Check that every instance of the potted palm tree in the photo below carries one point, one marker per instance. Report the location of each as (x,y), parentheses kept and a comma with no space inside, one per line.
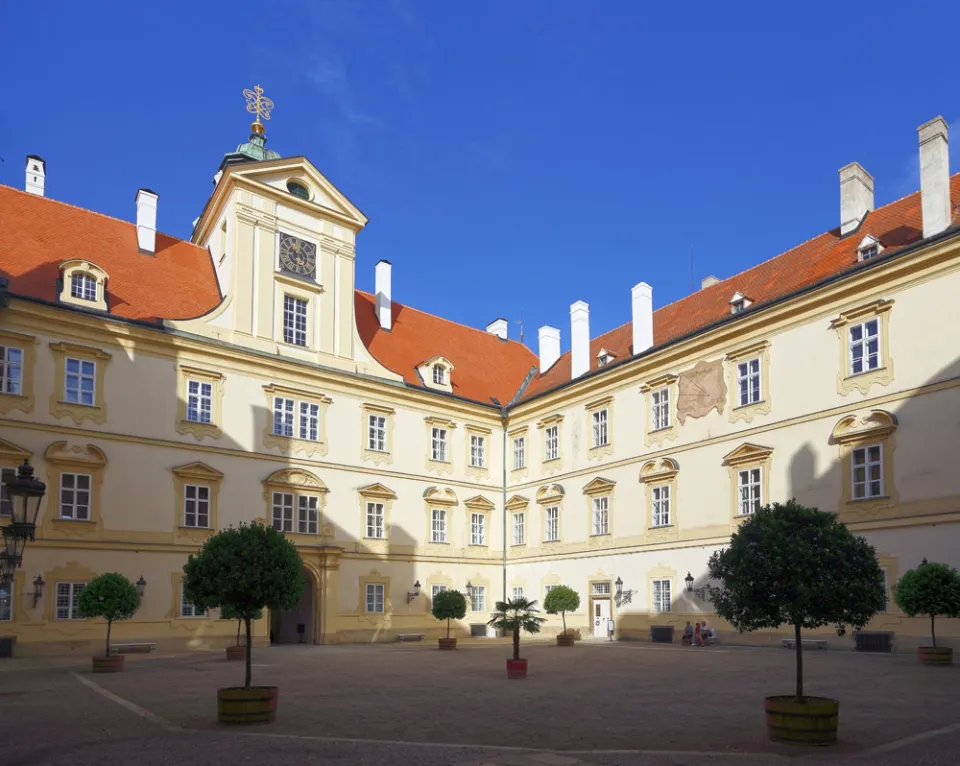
(932,590)
(562,599)
(113,597)
(449,605)
(513,616)
(236,652)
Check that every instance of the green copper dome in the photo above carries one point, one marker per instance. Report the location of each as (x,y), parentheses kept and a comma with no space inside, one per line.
(254,150)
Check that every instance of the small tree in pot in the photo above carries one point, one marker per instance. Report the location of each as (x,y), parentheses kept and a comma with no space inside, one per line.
(449,605)
(113,597)
(932,590)
(515,615)
(562,599)
(791,565)
(247,569)
(236,652)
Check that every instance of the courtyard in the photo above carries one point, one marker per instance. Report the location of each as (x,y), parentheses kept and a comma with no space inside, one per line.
(618,702)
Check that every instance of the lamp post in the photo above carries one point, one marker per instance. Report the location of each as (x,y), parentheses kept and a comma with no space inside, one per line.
(25,493)
(703,593)
(622,596)
(37,594)
(141,586)
(416,592)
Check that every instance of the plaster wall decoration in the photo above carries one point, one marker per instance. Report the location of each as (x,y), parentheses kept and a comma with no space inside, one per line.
(701,389)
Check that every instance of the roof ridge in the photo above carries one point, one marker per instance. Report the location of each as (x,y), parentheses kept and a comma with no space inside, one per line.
(96,213)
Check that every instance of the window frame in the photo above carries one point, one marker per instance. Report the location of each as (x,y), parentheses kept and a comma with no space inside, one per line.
(657,433)
(23,400)
(752,499)
(197,500)
(59,405)
(477,604)
(188,610)
(551,527)
(379,512)
(518,528)
(291,411)
(292,318)
(378,591)
(75,489)
(867,464)
(660,508)
(749,372)
(475,539)
(657,599)
(73,601)
(883,374)
(438,526)
(84,286)
(600,510)
(368,412)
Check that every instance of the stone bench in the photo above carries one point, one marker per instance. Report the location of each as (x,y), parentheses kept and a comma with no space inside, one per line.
(807,643)
(133,648)
(410,636)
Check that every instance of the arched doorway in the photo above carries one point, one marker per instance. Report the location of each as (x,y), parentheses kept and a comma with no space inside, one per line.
(296,626)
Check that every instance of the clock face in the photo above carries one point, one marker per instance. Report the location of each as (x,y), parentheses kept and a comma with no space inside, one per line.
(297,256)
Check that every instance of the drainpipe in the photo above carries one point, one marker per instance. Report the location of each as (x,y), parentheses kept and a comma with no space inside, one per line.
(503,499)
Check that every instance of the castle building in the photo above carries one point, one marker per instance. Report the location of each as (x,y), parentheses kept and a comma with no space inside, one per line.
(165,389)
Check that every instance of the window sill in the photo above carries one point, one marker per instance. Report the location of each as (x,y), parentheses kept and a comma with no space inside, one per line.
(78,404)
(187,528)
(873,499)
(478,545)
(552,540)
(73,521)
(601,446)
(518,545)
(366,537)
(600,534)
(552,460)
(440,462)
(662,428)
(851,375)
(518,468)
(749,404)
(661,526)
(477,467)
(439,542)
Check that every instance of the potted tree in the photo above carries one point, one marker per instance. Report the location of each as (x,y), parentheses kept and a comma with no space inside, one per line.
(113,597)
(933,590)
(515,615)
(562,599)
(245,569)
(449,605)
(791,565)
(236,652)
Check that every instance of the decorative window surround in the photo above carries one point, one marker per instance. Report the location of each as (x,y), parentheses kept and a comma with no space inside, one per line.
(440,499)
(747,457)
(661,600)
(550,496)
(599,489)
(17,397)
(66,597)
(758,350)
(196,474)
(474,433)
(305,290)
(377,619)
(294,445)
(883,374)
(875,428)
(600,425)
(369,433)
(82,268)
(382,495)
(514,436)
(661,473)
(657,436)
(439,466)
(199,430)
(67,573)
(870,247)
(87,460)
(59,406)
(299,483)
(482,508)
(551,458)
(436,369)
(518,528)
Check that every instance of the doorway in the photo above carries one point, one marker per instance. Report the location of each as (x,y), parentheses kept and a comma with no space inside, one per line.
(296,626)
(601,613)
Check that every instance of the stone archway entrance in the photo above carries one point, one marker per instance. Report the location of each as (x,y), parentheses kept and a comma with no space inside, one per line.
(297,625)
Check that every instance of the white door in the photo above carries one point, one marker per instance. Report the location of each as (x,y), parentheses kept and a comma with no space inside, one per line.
(601,613)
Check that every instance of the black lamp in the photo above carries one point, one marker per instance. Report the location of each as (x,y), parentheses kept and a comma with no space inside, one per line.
(416,592)
(25,493)
(141,586)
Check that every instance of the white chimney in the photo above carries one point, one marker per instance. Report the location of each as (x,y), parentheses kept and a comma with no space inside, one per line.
(549,348)
(382,275)
(579,339)
(498,327)
(642,298)
(856,196)
(709,282)
(147,220)
(934,176)
(36,174)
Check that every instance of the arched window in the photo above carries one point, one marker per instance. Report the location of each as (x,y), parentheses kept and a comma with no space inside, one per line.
(83,286)
(438,374)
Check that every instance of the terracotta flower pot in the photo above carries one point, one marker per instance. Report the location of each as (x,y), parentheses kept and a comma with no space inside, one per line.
(236,653)
(239,706)
(447,644)
(935,655)
(565,639)
(516,669)
(108,663)
(811,722)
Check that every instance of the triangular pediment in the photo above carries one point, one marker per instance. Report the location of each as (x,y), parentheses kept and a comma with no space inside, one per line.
(197,470)
(12,455)
(598,486)
(378,491)
(517,503)
(747,453)
(480,503)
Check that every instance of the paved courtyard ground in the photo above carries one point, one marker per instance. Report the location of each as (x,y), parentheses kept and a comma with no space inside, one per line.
(602,703)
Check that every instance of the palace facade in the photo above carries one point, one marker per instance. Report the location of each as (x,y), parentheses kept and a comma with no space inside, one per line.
(165,389)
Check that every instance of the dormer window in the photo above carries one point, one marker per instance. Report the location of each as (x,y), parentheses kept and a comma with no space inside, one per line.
(439,374)
(604,357)
(870,247)
(83,286)
(297,189)
(739,303)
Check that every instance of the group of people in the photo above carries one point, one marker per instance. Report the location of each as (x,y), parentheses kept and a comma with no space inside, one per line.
(700,635)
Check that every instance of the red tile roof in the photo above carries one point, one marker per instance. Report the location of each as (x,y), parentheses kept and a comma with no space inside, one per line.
(896,225)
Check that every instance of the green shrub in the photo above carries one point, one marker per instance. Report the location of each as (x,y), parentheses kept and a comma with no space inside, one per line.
(449,605)
(930,589)
(562,599)
(111,596)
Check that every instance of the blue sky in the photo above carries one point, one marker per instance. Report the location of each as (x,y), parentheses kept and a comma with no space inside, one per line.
(513,157)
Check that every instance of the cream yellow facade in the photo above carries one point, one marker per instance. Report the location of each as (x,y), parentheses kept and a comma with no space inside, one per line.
(198,424)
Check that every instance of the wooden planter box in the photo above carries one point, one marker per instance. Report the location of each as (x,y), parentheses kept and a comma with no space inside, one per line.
(811,722)
(935,655)
(108,664)
(239,706)
(565,639)
(447,644)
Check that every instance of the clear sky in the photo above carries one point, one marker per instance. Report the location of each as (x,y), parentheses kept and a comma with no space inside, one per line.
(512,156)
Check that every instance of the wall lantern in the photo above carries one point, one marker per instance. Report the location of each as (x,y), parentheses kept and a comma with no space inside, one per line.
(416,592)
(141,586)
(704,593)
(25,493)
(622,596)
(37,594)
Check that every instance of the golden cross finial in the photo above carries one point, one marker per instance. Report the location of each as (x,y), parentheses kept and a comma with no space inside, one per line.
(259,105)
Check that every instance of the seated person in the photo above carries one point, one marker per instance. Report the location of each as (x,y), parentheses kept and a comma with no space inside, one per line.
(687,634)
(697,636)
(707,633)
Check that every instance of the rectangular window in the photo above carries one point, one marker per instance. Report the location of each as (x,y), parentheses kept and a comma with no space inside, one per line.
(478,456)
(519,453)
(309,421)
(6,504)
(478,598)
(282,514)
(478,529)
(661,596)
(517,593)
(869,252)
(438,374)
(294,321)
(551,524)
(196,506)
(375,520)
(748,381)
(601,589)
(661,505)
(11,370)
(519,529)
(308,514)
(83,286)
(600,434)
(660,409)
(199,401)
(6,607)
(750,498)
(75,496)
(375,591)
(79,382)
(438,525)
(439,445)
(600,515)
(68,600)
(551,447)
(377,433)
(865,347)
(435,589)
(283,414)
(190,610)
(867,472)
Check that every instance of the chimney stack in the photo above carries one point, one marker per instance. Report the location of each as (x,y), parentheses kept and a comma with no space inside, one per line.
(856,196)
(36,174)
(549,348)
(579,339)
(498,327)
(147,220)
(382,279)
(934,176)
(642,299)
(709,282)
